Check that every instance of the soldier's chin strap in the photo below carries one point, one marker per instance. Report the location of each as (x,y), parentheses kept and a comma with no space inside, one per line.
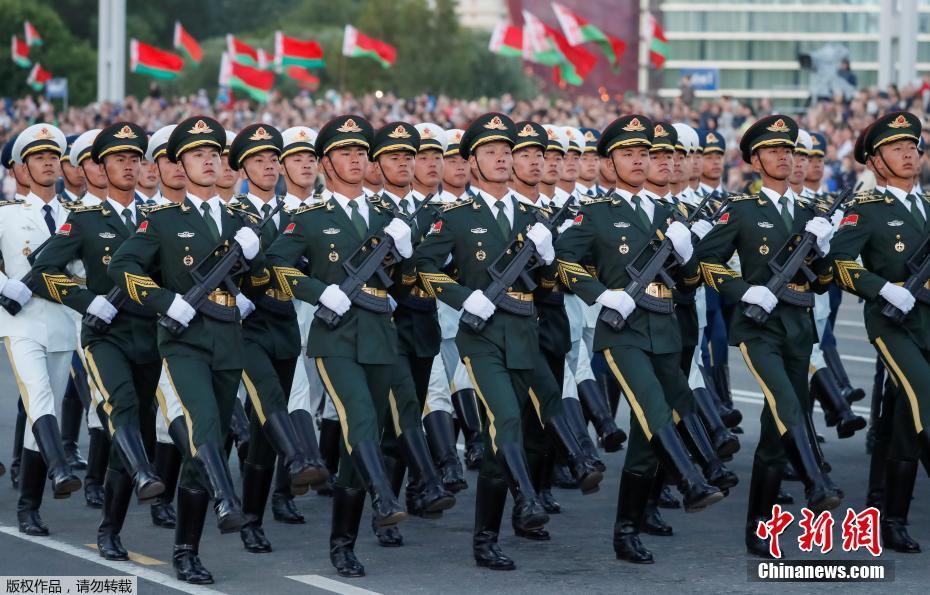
(514,170)
(33,179)
(878,153)
(336,173)
(765,171)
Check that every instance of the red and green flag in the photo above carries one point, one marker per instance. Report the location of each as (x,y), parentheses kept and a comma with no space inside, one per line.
(356,44)
(257,83)
(289,51)
(153,62)
(20,52)
(185,42)
(32,34)
(241,52)
(506,40)
(303,77)
(658,44)
(544,45)
(578,31)
(38,76)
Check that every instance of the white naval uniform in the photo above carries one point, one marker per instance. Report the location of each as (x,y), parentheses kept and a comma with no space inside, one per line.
(41,339)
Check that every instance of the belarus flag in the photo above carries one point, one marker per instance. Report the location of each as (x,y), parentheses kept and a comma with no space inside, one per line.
(32,34)
(186,43)
(356,44)
(289,51)
(153,62)
(20,52)
(38,76)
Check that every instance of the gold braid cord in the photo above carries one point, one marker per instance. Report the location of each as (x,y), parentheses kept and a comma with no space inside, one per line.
(428,279)
(285,276)
(716,273)
(571,268)
(847,271)
(263,278)
(135,282)
(58,285)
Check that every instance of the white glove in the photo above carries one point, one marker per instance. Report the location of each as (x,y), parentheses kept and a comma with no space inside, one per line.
(760,296)
(823,229)
(102,309)
(392,302)
(181,311)
(248,240)
(898,297)
(16,290)
(542,239)
(245,305)
(701,228)
(335,299)
(680,236)
(400,231)
(479,305)
(836,218)
(619,301)
(566,224)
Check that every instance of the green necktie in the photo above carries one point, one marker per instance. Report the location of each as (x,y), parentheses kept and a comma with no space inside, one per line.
(638,207)
(785,213)
(502,221)
(266,210)
(915,211)
(357,220)
(208,219)
(404,204)
(127,218)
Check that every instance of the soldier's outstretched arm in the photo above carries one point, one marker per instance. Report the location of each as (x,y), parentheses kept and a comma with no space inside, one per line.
(714,252)
(845,248)
(431,256)
(282,257)
(50,268)
(131,263)
(572,247)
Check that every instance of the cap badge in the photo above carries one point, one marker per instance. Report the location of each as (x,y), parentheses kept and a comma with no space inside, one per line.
(634,126)
(125,132)
(527,131)
(495,124)
(778,126)
(399,132)
(200,127)
(659,131)
(899,122)
(44,133)
(261,134)
(349,126)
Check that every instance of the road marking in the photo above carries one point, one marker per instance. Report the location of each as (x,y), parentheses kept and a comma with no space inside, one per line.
(127,567)
(861,338)
(858,359)
(328,584)
(853,323)
(135,557)
(756,398)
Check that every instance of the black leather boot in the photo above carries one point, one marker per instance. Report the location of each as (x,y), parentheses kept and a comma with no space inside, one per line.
(303,424)
(695,436)
(653,523)
(192,513)
(490,499)
(31,486)
(396,471)
(583,469)
(279,429)
(117,490)
(576,422)
(836,410)
(631,506)
(366,455)
(923,440)
(256,483)
(529,513)
(47,436)
(832,358)
(696,493)
(18,434)
(283,507)
(465,403)
(348,504)
(725,442)
(595,403)
(72,412)
(240,428)
(798,446)
(226,504)
(430,496)
(167,466)
(98,455)
(763,491)
(440,432)
(537,464)
(330,436)
(543,477)
(899,488)
(147,484)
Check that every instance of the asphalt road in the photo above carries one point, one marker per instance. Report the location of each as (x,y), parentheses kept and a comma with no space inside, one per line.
(706,553)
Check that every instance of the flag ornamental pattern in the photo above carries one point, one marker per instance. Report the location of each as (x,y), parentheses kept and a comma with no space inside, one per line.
(356,44)
(506,40)
(153,62)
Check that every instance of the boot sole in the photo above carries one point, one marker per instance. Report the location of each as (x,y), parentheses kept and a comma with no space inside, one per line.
(614,441)
(490,566)
(590,483)
(391,519)
(535,521)
(728,448)
(440,504)
(847,430)
(828,503)
(190,581)
(150,491)
(66,488)
(231,523)
(704,502)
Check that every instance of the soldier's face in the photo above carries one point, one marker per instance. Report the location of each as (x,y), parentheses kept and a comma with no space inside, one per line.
(455,171)
(122,170)
(348,163)
(712,166)
(429,167)
(570,166)
(528,165)
(262,169)
(660,167)
(44,168)
(202,165)
(148,175)
(301,168)
(93,173)
(697,164)
(631,165)
(774,162)
(814,170)
(228,176)
(171,174)
(373,175)
(397,167)
(898,159)
(72,175)
(678,167)
(552,172)
(606,171)
(798,169)
(493,161)
(587,166)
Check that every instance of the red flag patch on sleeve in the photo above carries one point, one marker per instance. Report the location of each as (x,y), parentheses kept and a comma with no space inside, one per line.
(849,220)
(724,219)
(435,228)
(579,219)
(290,227)
(143,227)
(64,230)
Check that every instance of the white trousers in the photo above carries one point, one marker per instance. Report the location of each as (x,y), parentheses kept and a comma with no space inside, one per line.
(42,377)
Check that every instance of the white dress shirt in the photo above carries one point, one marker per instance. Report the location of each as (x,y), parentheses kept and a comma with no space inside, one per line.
(775,196)
(258,204)
(645,202)
(215,209)
(396,200)
(505,203)
(901,195)
(361,201)
(118,209)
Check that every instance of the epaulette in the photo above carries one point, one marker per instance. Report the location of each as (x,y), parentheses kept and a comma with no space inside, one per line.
(167,205)
(12,201)
(457,204)
(86,208)
(71,205)
(926,197)
(305,208)
(598,200)
(236,205)
(739,197)
(866,196)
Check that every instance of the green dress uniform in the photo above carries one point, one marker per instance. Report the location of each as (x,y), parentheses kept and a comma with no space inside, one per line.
(271,344)
(122,357)
(609,234)
(886,232)
(204,362)
(777,352)
(510,375)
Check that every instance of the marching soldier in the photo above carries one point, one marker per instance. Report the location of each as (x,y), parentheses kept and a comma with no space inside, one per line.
(71,176)
(588,164)
(204,360)
(713,148)
(885,231)
(40,338)
(228,178)
(566,187)
(95,180)
(553,158)
(454,167)
(777,352)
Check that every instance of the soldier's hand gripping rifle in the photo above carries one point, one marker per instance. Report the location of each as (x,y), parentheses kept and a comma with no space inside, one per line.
(919,265)
(525,258)
(9,304)
(791,258)
(232,262)
(375,249)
